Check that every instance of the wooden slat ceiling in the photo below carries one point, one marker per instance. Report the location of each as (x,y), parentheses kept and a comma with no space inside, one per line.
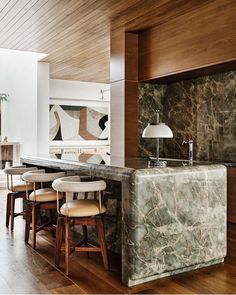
(76,33)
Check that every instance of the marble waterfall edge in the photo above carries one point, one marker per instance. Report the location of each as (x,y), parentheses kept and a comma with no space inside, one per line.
(175,221)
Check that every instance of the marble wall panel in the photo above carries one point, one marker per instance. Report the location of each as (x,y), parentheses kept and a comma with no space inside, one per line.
(202,109)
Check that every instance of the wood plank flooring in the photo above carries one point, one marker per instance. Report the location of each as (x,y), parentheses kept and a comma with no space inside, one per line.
(24,270)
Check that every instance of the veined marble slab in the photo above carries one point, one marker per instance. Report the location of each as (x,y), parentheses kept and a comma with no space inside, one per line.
(170,220)
(174,221)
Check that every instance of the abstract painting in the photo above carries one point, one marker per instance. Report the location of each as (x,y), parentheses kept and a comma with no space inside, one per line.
(78,123)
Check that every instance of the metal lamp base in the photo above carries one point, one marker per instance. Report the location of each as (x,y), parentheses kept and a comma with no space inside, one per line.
(155,163)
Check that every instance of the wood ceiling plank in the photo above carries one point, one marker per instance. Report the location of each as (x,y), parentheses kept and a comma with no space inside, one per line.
(51,22)
(14,31)
(88,64)
(40,14)
(81,39)
(77,47)
(69,27)
(96,63)
(139,9)
(16,14)
(145,15)
(76,33)
(13,13)
(3,4)
(76,66)
(164,14)
(6,7)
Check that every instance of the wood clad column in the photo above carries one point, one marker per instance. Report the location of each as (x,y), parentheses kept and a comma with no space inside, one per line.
(124,94)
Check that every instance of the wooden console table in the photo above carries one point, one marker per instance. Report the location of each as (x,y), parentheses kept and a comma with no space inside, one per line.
(8,151)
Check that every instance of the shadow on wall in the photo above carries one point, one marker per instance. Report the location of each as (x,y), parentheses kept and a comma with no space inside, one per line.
(202,109)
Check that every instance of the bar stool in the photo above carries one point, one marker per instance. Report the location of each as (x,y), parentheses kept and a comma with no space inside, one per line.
(80,212)
(42,198)
(17,189)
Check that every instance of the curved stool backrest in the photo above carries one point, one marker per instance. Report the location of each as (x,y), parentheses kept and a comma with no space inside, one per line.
(40,176)
(16,170)
(72,184)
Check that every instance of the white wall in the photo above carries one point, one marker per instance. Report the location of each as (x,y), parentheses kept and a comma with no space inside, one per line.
(43,93)
(79,90)
(18,77)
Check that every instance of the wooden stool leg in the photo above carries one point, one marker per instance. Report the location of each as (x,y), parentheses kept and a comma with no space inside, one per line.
(12,210)
(59,231)
(8,209)
(27,222)
(51,220)
(67,244)
(102,241)
(34,223)
(85,235)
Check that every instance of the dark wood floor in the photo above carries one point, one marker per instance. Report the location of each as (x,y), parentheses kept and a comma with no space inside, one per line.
(23,270)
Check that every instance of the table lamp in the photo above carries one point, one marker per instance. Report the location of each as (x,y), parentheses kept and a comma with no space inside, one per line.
(159,130)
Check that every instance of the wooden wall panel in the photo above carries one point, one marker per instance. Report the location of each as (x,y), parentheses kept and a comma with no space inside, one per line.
(124,94)
(131,94)
(117,60)
(203,37)
(131,56)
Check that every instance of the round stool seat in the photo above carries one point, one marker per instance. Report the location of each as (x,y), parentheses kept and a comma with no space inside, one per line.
(20,186)
(82,208)
(44,195)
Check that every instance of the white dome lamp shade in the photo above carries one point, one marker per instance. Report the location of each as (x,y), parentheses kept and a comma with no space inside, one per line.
(159,130)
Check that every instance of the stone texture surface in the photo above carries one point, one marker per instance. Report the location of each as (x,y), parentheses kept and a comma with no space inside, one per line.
(175,218)
(202,109)
(163,220)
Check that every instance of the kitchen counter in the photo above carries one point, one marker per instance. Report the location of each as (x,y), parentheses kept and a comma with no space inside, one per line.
(171,219)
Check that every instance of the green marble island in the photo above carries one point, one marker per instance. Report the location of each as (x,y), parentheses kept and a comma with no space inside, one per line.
(163,221)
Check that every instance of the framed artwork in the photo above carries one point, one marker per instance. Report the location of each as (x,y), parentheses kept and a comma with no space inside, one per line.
(84,122)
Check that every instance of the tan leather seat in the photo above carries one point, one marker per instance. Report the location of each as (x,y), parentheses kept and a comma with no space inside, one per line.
(20,186)
(82,208)
(44,195)
(17,189)
(40,199)
(85,212)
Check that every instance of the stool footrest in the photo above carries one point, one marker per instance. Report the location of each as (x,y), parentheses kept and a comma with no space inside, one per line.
(83,249)
(46,226)
(19,214)
(88,249)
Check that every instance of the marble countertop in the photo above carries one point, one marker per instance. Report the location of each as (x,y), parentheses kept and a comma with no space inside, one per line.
(114,161)
(102,165)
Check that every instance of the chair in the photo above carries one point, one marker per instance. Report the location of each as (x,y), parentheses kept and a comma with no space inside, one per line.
(80,212)
(42,198)
(17,189)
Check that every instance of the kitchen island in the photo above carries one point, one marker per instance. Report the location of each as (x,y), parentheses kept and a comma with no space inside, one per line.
(168,220)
